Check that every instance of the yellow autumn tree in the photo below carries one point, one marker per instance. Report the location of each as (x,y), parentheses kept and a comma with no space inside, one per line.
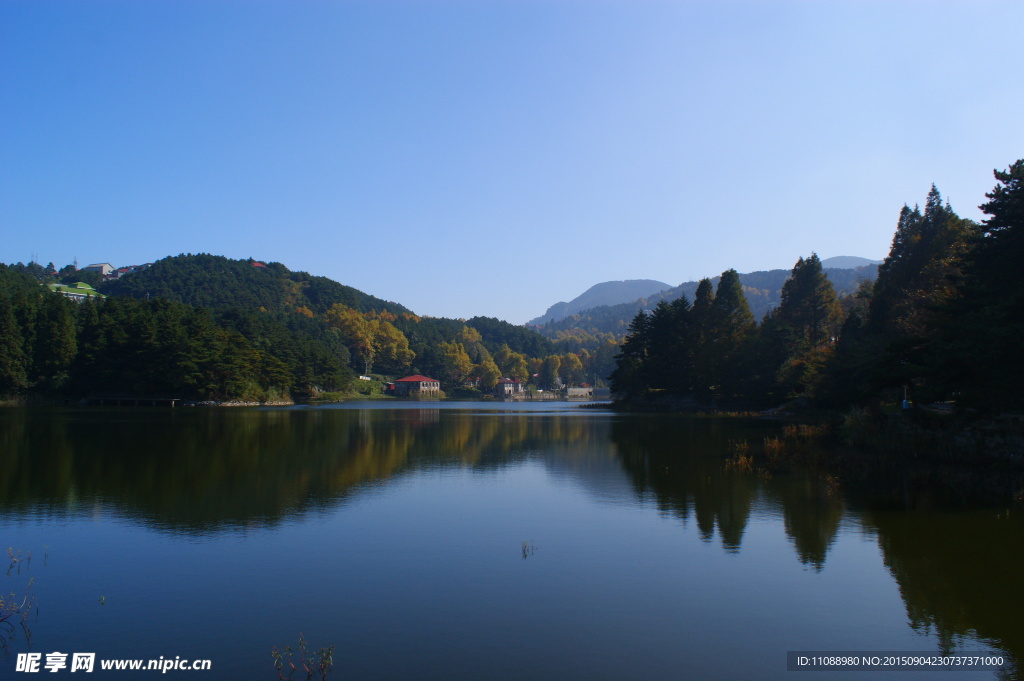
(489,374)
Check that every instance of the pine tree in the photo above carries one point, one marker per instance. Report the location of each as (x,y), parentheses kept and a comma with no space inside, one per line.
(731,327)
(663,347)
(978,352)
(806,323)
(628,379)
(919,280)
(809,304)
(13,363)
(56,344)
(700,344)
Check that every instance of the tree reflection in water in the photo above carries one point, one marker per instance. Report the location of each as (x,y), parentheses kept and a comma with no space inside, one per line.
(212,471)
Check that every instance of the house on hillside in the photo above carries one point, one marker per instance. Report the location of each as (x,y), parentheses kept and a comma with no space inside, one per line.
(103,268)
(506,387)
(414,384)
(131,269)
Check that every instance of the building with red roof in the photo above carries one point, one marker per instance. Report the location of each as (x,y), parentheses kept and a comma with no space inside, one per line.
(415,383)
(507,386)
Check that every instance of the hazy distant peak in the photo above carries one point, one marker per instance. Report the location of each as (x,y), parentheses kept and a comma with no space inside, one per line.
(847,262)
(605,293)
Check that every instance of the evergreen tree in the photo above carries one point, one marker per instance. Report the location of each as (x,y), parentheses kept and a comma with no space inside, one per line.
(978,350)
(805,325)
(13,363)
(809,304)
(628,380)
(921,277)
(663,346)
(701,342)
(731,327)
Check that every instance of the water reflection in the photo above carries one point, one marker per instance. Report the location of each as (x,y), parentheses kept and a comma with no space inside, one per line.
(812,511)
(207,470)
(957,569)
(958,573)
(212,471)
(681,462)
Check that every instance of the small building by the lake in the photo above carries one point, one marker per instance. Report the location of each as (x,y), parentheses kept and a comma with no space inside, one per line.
(582,390)
(414,384)
(507,387)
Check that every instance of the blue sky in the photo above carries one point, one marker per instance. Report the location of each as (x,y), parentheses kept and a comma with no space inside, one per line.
(493,158)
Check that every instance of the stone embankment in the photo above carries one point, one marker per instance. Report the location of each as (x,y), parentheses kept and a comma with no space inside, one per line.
(239,403)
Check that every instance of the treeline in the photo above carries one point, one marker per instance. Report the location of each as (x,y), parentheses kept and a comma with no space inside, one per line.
(206,327)
(942,322)
(762,291)
(122,346)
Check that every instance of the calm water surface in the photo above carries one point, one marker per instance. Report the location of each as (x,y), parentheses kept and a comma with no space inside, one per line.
(397,533)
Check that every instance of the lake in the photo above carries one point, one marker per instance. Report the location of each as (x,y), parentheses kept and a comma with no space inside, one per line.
(479,541)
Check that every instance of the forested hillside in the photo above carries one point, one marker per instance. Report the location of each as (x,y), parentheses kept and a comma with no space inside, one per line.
(206,327)
(942,322)
(128,347)
(217,282)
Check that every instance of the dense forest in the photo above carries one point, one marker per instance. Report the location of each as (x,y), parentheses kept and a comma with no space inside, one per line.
(214,281)
(205,327)
(941,323)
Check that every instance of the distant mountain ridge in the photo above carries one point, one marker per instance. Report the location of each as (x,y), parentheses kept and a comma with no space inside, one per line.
(605,293)
(847,262)
(763,291)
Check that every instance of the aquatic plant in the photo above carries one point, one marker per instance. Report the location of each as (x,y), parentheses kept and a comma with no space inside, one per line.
(739,446)
(315,664)
(740,462)
(14,605)
(743,460)
(16,560)
(773,446)
(805,431)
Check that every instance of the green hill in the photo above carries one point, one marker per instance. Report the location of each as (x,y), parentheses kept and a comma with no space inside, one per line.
(216,282)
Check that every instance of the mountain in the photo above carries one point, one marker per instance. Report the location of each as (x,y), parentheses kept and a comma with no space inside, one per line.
(606,293)
(847,262)
(763,291)
(217,282)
